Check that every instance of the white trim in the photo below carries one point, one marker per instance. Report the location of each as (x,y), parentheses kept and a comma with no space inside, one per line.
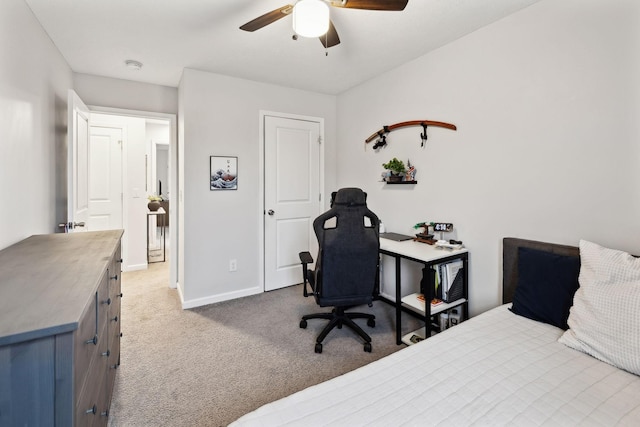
(181,296)
(198,302)
(260,260)
(262,115)
(136,267)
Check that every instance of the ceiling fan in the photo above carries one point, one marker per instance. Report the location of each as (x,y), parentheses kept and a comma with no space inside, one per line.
(318,14)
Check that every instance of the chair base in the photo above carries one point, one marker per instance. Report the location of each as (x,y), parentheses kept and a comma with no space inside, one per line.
(337,318)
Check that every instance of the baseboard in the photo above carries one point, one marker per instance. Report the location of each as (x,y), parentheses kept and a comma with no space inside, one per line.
(135,267)
(180,294)
(387,296)
(198,302)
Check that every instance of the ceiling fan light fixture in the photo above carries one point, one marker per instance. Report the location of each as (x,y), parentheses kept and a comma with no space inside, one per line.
(311,18)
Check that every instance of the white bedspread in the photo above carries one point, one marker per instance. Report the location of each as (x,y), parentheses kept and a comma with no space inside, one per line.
(497,369)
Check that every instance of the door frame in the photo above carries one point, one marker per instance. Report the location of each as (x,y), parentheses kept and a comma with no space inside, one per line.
(174,265)
(261,172)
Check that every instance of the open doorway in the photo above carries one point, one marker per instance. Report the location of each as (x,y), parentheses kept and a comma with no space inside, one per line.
(149,151)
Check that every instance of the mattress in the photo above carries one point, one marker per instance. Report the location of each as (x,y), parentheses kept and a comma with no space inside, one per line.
(496,369)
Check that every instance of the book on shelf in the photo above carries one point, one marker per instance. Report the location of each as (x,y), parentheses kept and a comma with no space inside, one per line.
(416,302)
(434,302)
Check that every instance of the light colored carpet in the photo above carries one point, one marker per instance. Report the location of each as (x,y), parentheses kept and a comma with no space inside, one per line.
(210,365)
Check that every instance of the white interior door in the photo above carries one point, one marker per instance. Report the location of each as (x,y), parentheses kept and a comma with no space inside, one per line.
(105,178)
(292,196)
(77,164)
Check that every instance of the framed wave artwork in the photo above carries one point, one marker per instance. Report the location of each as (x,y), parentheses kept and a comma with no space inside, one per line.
(223,173)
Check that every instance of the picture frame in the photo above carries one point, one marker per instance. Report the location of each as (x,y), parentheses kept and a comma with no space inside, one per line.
(223,173)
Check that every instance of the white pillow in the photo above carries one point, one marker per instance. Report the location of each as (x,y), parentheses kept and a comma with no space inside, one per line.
(605,318)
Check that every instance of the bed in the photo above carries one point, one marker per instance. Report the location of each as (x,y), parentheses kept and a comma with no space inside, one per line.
(501,368)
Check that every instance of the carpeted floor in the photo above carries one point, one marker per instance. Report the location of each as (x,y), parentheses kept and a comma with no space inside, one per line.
(210,365)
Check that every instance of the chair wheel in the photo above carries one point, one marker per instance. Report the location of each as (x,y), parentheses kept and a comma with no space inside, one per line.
(367,347)
(303,324)
(318,348)
(371,323)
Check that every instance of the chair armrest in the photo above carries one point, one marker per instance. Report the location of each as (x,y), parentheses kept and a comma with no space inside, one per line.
(305,258)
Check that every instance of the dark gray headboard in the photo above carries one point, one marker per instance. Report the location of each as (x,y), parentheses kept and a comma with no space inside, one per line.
(510,247)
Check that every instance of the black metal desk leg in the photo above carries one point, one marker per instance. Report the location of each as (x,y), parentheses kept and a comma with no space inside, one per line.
(398,302)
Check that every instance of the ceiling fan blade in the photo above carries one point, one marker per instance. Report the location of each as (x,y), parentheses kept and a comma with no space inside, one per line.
(371,4)
(331,38)
(267,18)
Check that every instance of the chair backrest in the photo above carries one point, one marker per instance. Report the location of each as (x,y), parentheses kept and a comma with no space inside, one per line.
(348,240)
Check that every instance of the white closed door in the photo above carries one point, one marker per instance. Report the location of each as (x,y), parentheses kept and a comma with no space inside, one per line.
(105,178)
(77,164)
(292,197)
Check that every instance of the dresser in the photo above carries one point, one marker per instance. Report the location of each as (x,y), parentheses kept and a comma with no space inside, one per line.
(60,298)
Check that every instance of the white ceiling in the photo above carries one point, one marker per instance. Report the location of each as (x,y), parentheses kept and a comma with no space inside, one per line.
(97,36)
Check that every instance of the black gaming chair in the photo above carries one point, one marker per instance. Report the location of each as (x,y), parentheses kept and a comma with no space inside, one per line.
(346,271)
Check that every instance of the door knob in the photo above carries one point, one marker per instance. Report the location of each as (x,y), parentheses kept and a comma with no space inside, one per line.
(70,225)
(271,212)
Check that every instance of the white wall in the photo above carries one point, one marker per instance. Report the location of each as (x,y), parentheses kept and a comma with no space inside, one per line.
(126,94)
(547,107)
(34,80)
(219,115)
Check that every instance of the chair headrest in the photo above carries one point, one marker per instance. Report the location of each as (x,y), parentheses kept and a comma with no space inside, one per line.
(350,197)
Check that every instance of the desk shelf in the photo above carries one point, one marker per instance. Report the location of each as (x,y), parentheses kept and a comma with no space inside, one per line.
(417,306)
(401,182)
(412,302)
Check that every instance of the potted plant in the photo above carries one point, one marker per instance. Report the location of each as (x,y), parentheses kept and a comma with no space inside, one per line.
(397,169)
(154,202)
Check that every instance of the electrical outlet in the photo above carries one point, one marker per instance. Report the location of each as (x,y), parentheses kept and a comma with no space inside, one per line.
(233,265)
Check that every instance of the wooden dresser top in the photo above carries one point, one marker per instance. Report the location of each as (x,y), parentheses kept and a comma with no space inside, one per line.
(46,281)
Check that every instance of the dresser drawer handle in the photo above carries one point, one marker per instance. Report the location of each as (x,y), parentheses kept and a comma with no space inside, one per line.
(104,413)
(91,410)
(120,260)
(114,277)
(114,366)
(120,295)
(115,319)
(106,353)
(93,340)
(108,301)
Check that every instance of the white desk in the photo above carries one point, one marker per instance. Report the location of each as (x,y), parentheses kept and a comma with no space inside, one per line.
(159,215)
(429,256)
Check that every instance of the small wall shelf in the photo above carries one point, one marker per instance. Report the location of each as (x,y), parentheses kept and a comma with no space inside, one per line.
(402,182)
